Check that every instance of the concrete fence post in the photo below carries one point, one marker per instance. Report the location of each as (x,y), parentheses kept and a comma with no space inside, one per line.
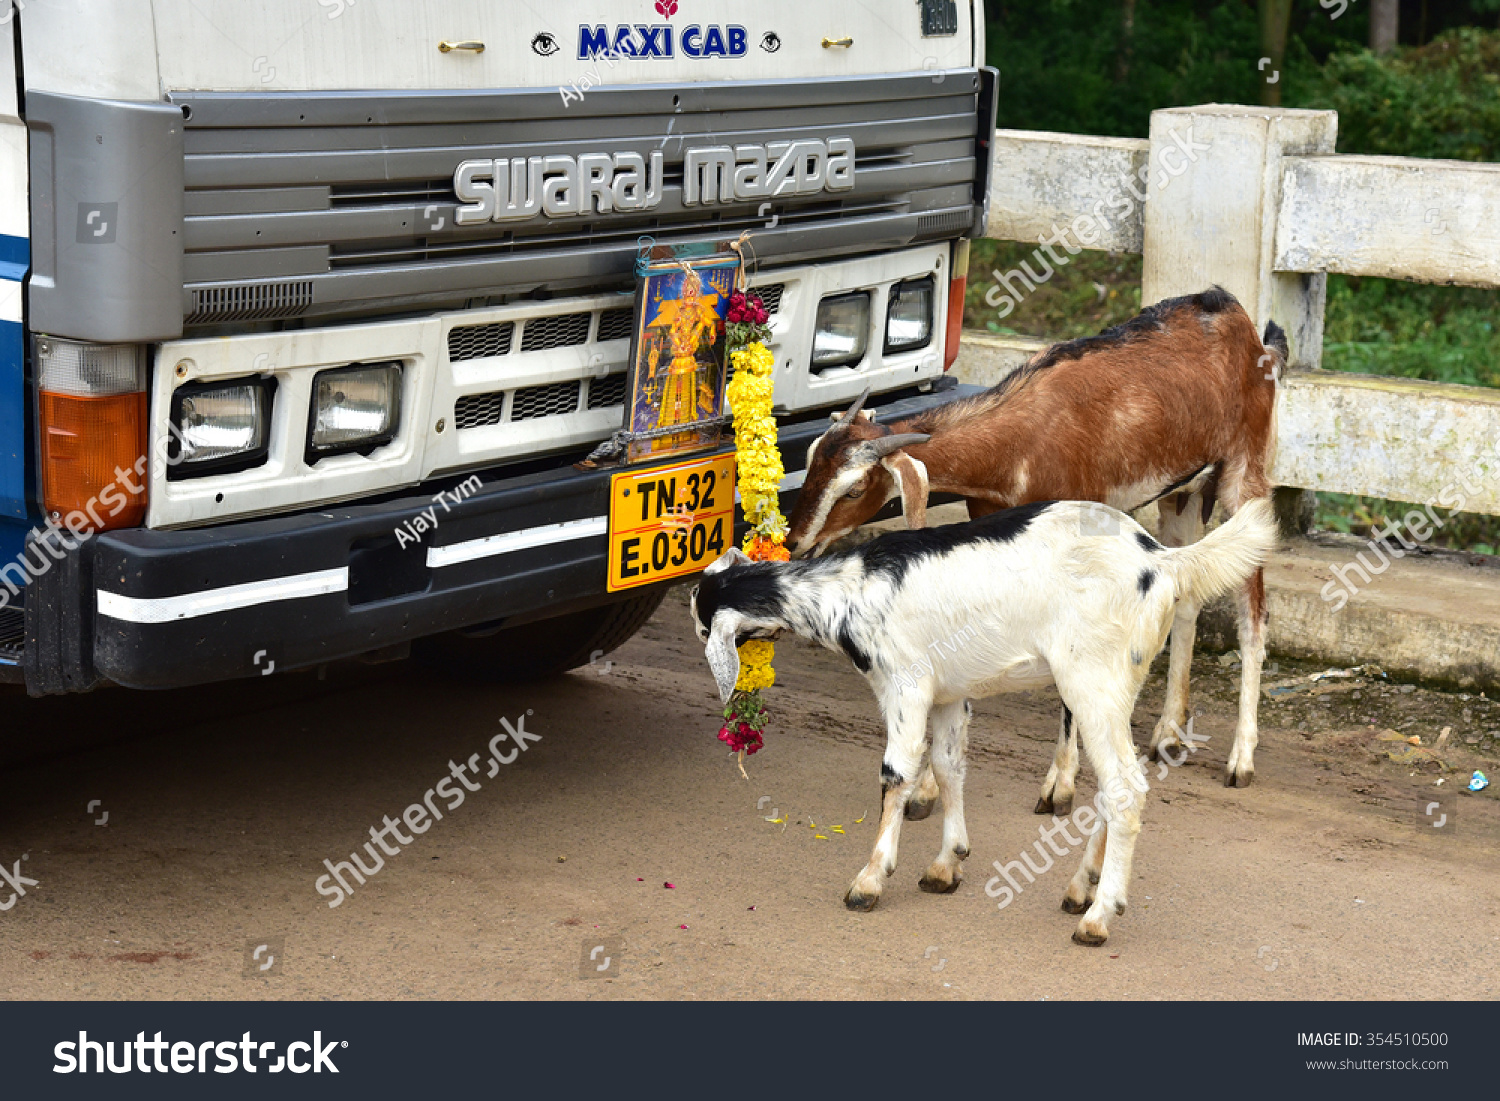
(1214,179)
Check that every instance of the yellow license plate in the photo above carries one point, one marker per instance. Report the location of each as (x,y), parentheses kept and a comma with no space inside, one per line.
(668,521)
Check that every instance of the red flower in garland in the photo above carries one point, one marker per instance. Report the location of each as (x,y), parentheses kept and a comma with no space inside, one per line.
(745,310)
(741,736)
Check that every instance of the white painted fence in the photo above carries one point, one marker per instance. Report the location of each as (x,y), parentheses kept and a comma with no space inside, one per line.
(1254,199)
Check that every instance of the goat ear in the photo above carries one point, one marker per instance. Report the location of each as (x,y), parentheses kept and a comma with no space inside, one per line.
(732,557)
(723,658)
(911,483)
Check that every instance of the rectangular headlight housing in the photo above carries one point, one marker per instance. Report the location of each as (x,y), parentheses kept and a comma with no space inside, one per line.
(908,318)
(842,335)
(354,409)
(220,427)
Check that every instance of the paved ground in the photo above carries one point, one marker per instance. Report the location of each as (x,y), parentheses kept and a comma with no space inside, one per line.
(1319,881)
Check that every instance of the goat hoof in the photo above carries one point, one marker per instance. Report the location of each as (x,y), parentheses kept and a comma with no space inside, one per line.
(1070,906)
(1063,807)
(935,886)
(1242,779)
(916,810)
(1088,938)
(861,904)
(1043,805)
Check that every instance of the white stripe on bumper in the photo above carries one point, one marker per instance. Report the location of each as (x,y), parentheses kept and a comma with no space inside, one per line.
(512,541)
(165,609)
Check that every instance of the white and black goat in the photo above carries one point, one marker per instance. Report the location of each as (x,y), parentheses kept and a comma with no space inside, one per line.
(1064,593)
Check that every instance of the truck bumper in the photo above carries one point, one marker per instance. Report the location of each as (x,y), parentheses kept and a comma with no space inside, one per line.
(165,609)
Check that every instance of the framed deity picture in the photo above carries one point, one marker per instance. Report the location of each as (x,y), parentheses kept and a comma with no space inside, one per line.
(677,368)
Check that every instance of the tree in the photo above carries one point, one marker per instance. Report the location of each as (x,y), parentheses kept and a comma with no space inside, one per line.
(1384,22)
(1275,17)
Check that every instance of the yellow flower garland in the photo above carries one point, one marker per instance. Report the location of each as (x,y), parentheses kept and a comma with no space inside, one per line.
(760,477)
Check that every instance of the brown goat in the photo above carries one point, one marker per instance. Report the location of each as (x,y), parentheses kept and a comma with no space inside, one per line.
(1177,403)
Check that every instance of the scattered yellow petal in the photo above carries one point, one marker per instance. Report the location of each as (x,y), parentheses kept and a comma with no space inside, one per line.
(837,829)
(861,818)
(819,837)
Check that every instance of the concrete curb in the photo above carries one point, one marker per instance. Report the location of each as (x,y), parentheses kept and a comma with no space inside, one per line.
(1430,617)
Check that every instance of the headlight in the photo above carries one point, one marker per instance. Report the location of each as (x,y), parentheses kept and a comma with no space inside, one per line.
(908,320)
(354,409)
(219,427)
(842,335)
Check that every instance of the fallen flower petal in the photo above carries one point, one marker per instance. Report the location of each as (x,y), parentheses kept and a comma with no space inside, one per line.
(670,886)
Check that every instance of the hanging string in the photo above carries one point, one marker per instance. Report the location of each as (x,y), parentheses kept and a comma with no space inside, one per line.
(742,275)
(643,247)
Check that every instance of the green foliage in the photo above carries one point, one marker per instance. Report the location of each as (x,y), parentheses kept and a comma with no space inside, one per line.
(1363,515)
(1439,100)
(1092,292)
(1409,330)
(1074,65)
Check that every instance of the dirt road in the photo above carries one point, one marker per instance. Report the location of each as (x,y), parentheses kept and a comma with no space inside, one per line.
(1322,880)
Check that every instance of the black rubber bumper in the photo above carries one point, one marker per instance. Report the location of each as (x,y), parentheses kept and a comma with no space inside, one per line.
(138,636)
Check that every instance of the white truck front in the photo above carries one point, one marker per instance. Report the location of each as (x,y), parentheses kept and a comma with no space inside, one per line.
(294,270)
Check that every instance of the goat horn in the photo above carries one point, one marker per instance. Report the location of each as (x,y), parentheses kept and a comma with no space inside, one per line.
(859,403)
(886,444)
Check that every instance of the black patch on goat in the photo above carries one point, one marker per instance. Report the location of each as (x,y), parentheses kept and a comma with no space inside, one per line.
(851,648)
(1275,340)
(889,777)
(1147,543)
(753,590)
(896,552)
(1146,580)
(1152,319)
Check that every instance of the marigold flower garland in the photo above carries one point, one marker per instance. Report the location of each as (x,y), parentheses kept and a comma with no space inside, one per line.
(760,475)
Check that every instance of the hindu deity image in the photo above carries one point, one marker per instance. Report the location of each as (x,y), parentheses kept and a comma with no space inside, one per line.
(681,378)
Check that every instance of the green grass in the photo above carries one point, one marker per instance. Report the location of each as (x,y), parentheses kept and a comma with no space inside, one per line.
(1408,330)
(1092,292)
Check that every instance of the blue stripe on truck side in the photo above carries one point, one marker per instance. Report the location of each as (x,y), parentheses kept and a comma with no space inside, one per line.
(15,258)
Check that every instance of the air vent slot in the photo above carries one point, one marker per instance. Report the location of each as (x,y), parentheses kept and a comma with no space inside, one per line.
(770,297)
(606,392)
(561,331)
(479,341)
(544,401)
(953,221)
(253,302)
(479,410)
(13,630)
(616,324)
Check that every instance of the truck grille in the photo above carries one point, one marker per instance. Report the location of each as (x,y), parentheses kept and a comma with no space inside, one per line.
(564,331)
(256,302)
(615,324)
(13,632)
(363,217)
(480,341)
(545,401)
(606,392)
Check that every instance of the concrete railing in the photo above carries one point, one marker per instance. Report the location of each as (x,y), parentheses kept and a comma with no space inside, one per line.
(1255,200)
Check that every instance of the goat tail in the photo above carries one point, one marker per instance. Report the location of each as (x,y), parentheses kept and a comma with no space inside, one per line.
(1226,557)
(1275,341)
